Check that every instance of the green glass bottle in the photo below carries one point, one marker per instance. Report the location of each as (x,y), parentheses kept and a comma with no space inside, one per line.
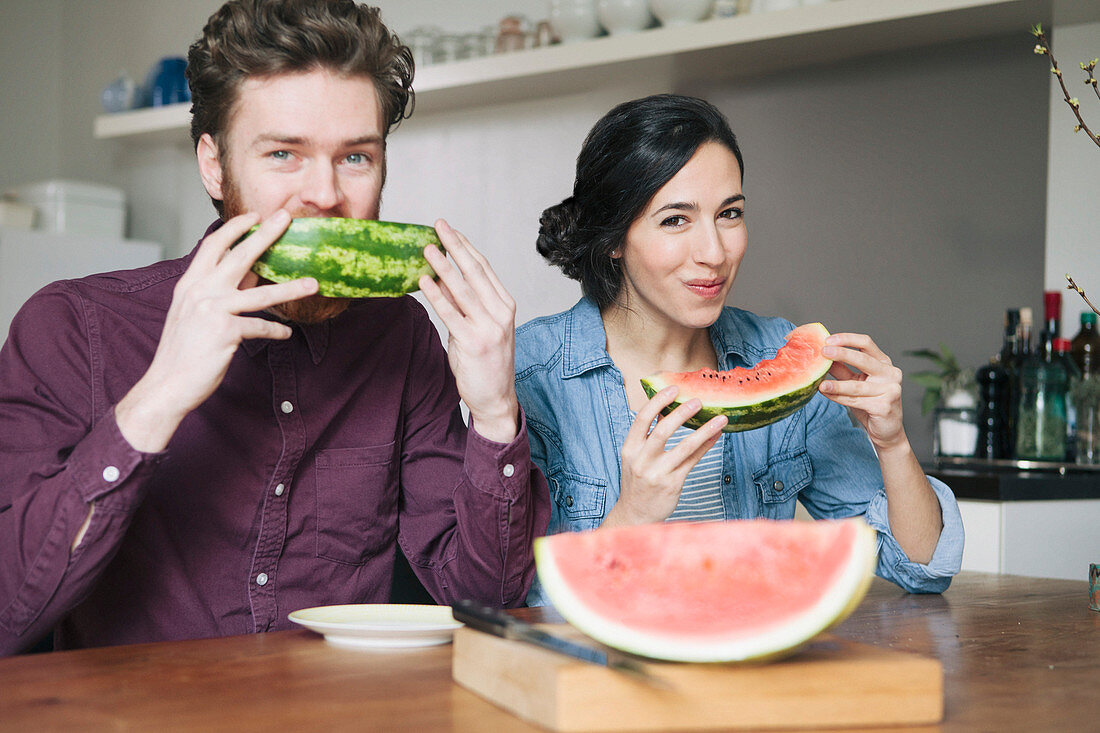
(1041,423)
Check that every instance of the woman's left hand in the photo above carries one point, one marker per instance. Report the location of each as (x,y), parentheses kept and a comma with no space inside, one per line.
(872,389)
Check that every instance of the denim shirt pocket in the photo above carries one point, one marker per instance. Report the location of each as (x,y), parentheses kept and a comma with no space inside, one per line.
(780,480)
(356,502)
(579,500)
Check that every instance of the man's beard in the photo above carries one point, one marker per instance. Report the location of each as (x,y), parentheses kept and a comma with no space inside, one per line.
(312,309)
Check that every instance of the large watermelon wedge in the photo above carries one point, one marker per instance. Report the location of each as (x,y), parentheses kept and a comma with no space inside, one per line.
(350,258)
(709,591)
(753,398)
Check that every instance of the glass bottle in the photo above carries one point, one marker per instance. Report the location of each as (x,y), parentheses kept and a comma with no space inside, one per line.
(994,435)
(1041,422)
(1073,376)
(1086,402)
(1085,347)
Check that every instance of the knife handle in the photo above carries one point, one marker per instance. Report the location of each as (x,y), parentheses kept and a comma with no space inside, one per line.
(483,618)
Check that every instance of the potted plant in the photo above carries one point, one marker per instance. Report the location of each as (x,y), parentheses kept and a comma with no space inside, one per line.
(951,394)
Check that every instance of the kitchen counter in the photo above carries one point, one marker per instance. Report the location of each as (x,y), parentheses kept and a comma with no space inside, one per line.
(1008,481)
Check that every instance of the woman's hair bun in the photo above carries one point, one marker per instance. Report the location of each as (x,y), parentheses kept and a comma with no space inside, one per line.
(557,240)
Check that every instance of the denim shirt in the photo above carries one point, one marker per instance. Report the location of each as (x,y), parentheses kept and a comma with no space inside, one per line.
(577,416)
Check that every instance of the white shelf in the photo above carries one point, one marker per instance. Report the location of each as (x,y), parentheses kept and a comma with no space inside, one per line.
(745,44)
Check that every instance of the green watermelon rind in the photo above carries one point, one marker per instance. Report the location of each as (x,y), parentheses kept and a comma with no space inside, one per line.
(749,415)
(351,258)
(836,604)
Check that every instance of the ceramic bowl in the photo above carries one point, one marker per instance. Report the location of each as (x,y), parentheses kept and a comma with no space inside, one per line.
(624,16)
(680,12)
(574,20)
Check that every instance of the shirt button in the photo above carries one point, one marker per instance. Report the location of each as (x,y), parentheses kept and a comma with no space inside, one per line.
(569,501)
(287,407)
(509,470)
(727,478)
(778,486)
(261,579)
(279,490)
(110,474)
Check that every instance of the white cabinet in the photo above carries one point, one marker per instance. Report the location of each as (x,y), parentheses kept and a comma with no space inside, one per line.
(1049,538)
(31,259)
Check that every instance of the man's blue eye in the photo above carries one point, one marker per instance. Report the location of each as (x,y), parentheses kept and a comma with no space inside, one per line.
(280,155)
(357,158)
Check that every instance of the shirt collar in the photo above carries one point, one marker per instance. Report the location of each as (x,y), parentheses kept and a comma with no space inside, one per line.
(316,335)
(586,341)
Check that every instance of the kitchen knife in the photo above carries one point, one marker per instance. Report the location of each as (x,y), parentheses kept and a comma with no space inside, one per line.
(500,623)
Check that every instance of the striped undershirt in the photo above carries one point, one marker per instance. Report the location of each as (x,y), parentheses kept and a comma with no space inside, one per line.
(701,497)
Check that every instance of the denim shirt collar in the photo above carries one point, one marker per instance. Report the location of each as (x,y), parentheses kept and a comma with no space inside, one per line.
(585,345)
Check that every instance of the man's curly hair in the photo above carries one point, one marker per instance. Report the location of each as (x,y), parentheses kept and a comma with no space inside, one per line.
(260,38)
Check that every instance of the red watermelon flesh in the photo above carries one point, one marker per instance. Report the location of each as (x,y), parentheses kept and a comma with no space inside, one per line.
(751,398)
(708,591)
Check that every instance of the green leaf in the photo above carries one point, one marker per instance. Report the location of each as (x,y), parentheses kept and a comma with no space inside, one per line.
(931,397)
(928,380)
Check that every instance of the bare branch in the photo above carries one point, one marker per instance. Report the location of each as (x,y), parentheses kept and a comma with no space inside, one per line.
(1073,286)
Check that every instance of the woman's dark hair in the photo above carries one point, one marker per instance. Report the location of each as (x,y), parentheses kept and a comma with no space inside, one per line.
(258,38)
(632,152)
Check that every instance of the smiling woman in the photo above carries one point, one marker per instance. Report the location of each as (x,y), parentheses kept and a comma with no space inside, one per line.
(655,231)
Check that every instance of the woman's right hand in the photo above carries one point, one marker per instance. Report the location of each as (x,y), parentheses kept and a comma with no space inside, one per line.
(653,477)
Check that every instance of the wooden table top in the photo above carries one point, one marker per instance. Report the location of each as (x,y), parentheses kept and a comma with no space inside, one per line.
(1019,654)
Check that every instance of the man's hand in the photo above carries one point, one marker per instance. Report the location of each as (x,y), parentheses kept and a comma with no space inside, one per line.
(204,328)
(480,317)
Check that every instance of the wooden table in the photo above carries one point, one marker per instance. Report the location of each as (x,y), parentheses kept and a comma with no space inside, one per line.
(1019,654)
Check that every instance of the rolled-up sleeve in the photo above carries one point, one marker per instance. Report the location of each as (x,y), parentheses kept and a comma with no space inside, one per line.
(847,481)
(895,565)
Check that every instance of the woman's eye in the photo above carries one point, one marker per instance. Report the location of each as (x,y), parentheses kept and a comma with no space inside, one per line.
(674,221)
(732,213)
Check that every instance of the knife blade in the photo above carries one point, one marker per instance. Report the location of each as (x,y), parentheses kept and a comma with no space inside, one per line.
(500,623)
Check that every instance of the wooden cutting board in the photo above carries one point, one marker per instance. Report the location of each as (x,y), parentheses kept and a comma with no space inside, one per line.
(833,682)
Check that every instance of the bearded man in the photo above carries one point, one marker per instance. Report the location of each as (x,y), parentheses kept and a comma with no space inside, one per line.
(187,451)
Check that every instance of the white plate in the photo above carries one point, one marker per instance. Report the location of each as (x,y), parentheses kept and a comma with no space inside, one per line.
(380,625)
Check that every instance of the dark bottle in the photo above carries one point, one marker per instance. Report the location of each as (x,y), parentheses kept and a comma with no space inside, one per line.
(1024,337)
(1052,323)
(994,433)
(1008,360)
(1085,347)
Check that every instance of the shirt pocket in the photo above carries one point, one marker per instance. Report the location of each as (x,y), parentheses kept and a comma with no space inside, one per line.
(780,480)
(579,501)
(356,502)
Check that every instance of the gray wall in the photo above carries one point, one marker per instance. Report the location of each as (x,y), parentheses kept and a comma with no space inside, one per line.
(30,90)
(900,196)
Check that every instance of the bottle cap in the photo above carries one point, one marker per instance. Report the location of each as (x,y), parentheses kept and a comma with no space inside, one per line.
(1088,317)
(1025,316)
(1062,345)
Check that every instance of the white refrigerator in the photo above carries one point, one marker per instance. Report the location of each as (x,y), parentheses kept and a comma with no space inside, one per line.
(32,259)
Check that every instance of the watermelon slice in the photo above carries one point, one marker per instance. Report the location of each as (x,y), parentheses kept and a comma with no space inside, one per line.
(351,258)
(709,591)
(753,398)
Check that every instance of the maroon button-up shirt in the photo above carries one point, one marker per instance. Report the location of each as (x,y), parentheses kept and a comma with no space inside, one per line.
(286,489)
